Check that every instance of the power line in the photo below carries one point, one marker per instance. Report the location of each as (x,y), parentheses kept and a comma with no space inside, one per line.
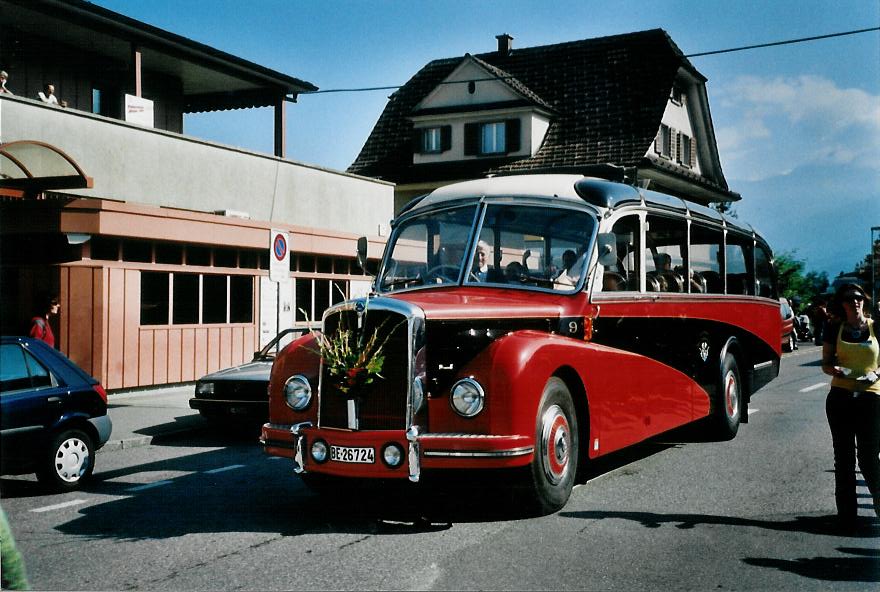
(775,43)
(691,55)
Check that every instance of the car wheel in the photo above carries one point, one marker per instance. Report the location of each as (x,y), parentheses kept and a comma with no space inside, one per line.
(790,344)
(551,475)
(728,404)
(69,459)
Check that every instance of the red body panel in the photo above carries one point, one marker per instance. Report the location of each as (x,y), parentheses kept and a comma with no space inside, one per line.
(630,397)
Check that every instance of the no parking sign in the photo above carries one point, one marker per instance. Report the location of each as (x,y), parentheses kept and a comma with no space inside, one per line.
(279,256)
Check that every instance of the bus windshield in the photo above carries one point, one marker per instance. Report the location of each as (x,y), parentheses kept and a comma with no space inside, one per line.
(516,246)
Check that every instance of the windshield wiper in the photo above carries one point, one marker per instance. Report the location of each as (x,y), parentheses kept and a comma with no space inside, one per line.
(402,280)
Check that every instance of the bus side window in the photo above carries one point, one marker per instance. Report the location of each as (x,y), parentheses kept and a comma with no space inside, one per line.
(624,275)
(666,247)
(705,260)
(739,265)
(765,284)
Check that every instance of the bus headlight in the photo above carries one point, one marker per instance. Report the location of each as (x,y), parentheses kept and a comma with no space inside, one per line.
(418,390)
(297,392)
(467,397)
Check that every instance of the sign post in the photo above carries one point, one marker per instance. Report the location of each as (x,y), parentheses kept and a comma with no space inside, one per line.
(279,274)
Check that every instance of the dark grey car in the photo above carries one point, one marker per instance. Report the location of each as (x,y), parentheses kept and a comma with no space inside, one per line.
(241,393)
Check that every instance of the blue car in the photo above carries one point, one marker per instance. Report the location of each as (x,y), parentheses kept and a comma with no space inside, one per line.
(54,415)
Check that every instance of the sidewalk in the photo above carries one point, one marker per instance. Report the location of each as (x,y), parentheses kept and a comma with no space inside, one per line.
(140,416)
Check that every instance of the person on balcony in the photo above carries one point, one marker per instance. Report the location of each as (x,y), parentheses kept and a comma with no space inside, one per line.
(3,78)
(47,95)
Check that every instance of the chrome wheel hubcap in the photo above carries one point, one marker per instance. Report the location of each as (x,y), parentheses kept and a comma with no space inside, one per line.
(71,460)
(731,395)
(555,444)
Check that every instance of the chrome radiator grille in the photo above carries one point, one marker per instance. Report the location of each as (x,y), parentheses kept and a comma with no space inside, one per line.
(383,403)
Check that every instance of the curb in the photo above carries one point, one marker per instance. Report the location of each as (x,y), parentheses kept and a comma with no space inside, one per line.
(140,441)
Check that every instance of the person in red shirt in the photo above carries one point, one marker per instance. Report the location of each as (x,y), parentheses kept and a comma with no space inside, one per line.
(40,327)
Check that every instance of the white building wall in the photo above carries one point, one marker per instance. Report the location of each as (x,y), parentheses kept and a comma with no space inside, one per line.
(135,164)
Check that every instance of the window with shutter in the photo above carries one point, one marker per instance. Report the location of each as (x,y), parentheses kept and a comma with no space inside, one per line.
(492,138)
(665,141)
(471,139)
(693,161)
(685,150)
(512,135)
(673,145)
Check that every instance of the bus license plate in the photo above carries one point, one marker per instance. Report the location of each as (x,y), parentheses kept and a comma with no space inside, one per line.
(348,454)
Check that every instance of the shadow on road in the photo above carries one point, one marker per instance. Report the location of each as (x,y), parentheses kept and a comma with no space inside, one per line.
(865,568)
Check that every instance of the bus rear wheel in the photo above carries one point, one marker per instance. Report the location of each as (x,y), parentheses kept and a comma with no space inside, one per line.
(728,404)
(551,475)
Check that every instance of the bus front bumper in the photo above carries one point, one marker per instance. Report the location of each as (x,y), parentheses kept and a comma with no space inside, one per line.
(391,454)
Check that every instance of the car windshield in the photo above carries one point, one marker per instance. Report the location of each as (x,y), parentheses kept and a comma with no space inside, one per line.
(517,246)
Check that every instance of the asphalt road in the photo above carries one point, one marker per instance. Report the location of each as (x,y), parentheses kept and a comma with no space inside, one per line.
(205,510)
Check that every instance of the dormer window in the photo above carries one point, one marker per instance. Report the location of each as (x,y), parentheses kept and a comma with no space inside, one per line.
(434,140)
(492,138)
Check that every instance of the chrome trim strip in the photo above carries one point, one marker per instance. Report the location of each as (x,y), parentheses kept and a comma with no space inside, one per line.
(460,436)
(481,454)
(412,435)
(298,465)
(763,365)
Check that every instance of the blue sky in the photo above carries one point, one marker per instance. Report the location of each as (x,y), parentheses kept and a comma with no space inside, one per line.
(798,126)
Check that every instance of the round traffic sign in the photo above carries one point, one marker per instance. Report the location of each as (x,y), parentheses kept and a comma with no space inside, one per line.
(279,247)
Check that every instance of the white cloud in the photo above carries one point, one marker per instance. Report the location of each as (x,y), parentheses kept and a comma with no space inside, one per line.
(775,125)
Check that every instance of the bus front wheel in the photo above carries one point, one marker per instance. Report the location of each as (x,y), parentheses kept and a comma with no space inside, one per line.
(551,474)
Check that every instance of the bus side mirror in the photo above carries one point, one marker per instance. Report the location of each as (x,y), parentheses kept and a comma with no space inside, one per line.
(607,248)
(362,256)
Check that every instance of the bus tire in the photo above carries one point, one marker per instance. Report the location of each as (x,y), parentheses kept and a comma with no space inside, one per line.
(729,401)
(551,474)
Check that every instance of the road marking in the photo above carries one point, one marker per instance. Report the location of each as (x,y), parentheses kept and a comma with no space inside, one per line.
(75,502)
(753,410)
(221,469)
(814,387)
(149,486)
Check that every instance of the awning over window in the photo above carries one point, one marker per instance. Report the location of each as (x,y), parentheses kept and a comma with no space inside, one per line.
(28,167)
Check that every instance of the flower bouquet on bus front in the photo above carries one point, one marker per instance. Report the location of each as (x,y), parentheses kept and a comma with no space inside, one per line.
(353,358)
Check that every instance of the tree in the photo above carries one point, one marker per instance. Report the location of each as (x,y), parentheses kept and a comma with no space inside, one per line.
(794,284)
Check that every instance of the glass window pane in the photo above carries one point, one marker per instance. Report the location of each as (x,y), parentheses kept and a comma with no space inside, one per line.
(154,298)
(429,249)
(214,298)
(738,261)
(303,291)
(765,284)
(186,299)
(104,248)
(14,374)
(247,259)
(705,260)
(624,275)
(196,255)
(322,297)
(665,252)
(241,299)
(225,257)
(169,253)
(339,291)
(526,246)
(40,376)
(138,251)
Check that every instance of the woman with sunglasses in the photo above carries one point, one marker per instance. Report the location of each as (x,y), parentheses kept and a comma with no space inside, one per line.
(850,356)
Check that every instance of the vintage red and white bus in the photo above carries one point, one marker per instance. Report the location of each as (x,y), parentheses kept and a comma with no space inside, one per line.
(531,323)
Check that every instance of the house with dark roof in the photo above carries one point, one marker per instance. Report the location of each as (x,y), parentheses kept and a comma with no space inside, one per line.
(633,101)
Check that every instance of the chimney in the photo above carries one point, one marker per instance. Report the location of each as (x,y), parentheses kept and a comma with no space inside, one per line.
(505,44)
